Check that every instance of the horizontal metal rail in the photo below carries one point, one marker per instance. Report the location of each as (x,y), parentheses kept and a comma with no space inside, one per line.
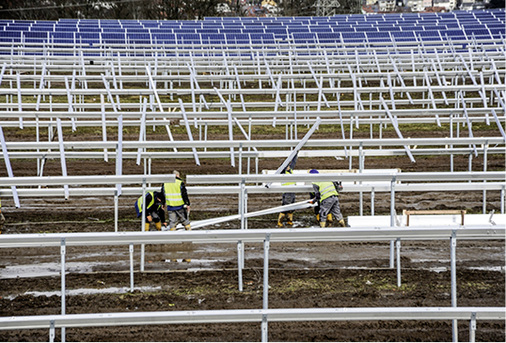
(376,234)
(237,178)
(443,151)
(211,190)
(250,315)
(356,177)
(311,143)
(85,180)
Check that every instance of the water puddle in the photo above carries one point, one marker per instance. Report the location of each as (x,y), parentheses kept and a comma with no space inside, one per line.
(89,291)
(46,269)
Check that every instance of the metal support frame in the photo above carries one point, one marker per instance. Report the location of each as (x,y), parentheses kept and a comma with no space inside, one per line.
(472,327)
(143,221)
(230,129)
(9,168)
(265,297)
(119,151)
(392,218)
(299,146)
(453,271)
(62,155)
(188,130)
(63,289)
(398,249)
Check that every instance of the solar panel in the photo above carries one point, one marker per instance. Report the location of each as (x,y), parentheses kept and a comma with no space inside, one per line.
(303,38)
(378,37)
(329,37)
(113,38)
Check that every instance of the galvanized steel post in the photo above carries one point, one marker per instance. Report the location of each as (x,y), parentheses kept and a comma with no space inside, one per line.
(62,253)
(453,271)
(266,272)
(131,250)
(392,218)
(143,225)
(472,328)
(398,248)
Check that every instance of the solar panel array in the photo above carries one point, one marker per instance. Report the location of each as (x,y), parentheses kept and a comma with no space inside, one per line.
(342,29)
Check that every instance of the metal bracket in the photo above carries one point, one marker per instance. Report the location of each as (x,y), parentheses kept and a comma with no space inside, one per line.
(51,331)
(62,247)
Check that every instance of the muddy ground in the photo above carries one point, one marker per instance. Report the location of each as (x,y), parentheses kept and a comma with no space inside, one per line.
(302,274)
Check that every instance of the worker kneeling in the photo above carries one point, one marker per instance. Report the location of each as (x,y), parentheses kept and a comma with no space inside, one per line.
(155,212)
(327,197)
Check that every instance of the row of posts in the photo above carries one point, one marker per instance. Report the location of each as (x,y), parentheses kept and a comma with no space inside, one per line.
(395,245)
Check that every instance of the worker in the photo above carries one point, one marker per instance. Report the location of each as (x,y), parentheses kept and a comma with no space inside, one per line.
(177,202)
(317,211)
(2,218)
(289,197)
(327,197)
(155,211)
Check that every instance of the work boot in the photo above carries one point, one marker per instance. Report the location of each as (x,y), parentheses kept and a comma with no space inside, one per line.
(158,226)
(173,228)
(280,219)
(187,260)
(329,219)
(146,227)
(289,221)
(342,223)
(322,224)
(188,227)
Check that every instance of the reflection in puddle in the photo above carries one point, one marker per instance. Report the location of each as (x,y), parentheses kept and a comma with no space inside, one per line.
(87,291)
(47,269)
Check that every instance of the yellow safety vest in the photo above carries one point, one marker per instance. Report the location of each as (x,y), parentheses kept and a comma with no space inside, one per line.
(327,189)
(288,183)
(173,196)
(140,201)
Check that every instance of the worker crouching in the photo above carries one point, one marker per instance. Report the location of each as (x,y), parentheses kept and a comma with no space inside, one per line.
(155,212)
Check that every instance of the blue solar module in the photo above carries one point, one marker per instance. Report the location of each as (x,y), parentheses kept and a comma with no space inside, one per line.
(88,37)
(210,38)
(358,37)
(329,37)
(453,34)
(298,29)
(304,38)
(388,28)
(378,37)
(498,32)
(138,38)
(342,28)
(366,29)
(237,38)
(262,38)
(113,38)
(10,36)
(185,30)
(355,29)
(404,36)
(187,38)
(253,30)
(63,37)
(478,33)
(278,32)
(428,35)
